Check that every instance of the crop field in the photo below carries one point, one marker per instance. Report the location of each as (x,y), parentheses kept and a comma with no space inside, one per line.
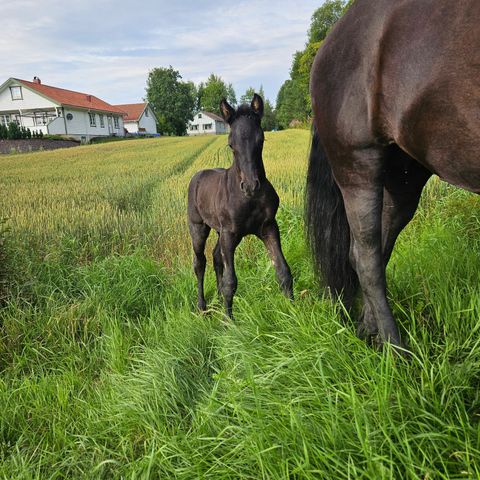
(108,371)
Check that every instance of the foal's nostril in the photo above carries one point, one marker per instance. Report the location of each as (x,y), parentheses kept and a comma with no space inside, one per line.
(257,184)
(242,186)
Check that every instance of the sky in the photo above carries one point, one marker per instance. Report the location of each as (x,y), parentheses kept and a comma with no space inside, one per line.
(106,48)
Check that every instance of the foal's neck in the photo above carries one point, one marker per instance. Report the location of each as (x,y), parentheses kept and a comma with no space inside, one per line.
(235,169)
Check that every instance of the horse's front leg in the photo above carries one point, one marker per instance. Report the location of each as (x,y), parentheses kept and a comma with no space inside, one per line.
(228,244)
(270,236)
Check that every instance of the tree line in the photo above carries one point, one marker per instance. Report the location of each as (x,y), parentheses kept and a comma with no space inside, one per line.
(175,101)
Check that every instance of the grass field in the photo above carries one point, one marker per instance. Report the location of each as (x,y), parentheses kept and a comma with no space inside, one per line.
(107,371)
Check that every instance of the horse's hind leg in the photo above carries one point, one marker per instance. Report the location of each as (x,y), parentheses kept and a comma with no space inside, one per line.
(403,185)
(270,236)
(218,265)
(199,233)
(361,183)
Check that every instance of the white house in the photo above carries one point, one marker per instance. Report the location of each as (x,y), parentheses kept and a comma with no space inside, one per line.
(139,118)
(58,111)
(206,122)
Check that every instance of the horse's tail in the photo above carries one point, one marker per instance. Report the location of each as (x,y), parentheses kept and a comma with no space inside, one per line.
(328,232)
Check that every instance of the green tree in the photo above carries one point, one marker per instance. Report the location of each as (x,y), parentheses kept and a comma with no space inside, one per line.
(248,95)
(300,72)
(291,104)
(293,100)
(231,96)
(324,18)
(269,118)
(211,93)
(172,100)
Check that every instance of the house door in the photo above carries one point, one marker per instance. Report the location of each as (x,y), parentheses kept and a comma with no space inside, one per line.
(110,126)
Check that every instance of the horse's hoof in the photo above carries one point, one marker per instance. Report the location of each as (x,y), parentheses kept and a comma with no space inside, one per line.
(366,331)
(367,328)
(399,348)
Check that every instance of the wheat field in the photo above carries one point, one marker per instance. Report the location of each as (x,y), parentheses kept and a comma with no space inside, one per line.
(108,371)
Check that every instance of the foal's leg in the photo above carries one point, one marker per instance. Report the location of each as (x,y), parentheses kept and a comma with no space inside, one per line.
(404,182)
(270,236)
(218,265)
(199,233)
(362,189)
(228,244)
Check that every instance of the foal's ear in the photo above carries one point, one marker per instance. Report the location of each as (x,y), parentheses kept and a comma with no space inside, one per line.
(257,105)
(227,111)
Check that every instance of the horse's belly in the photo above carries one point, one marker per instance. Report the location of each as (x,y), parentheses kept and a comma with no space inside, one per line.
(442,132)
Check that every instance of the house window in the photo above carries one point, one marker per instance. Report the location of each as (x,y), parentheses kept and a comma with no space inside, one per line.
(199,115)
(102,121)
(16,93)
(193,127)
(207,126)
(5,119)
(146,112)
(115,122)
(93,121)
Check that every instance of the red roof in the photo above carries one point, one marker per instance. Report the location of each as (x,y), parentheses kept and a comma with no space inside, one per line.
(133,110)
(71,98)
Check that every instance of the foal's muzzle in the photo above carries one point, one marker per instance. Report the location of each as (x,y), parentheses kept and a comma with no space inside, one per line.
(249,189)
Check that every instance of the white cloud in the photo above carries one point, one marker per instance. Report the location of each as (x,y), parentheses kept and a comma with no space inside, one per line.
(107,48)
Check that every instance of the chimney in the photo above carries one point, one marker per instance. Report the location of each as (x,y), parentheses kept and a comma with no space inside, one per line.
(37,80)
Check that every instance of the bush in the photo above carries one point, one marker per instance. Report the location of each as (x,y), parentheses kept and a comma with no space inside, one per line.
(14,131)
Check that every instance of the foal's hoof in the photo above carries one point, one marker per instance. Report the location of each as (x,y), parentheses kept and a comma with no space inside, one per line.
(202,306)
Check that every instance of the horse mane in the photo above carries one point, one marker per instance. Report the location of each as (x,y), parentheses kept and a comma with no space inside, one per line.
(245,110)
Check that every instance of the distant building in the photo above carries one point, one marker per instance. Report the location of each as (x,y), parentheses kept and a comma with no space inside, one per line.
(207,123)
(57,111)
(140,118)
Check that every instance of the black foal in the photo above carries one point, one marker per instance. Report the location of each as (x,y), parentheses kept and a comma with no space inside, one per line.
(236,202)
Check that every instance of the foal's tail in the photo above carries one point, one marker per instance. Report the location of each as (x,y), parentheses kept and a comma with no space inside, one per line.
(328,232)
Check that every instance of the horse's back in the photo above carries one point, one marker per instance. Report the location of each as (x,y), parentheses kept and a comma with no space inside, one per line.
(405,72)
(205,179)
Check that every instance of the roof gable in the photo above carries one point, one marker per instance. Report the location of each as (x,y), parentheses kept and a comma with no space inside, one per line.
(213,116)
(133,110)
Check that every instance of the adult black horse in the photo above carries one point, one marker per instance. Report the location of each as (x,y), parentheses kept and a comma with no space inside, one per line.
(396,98)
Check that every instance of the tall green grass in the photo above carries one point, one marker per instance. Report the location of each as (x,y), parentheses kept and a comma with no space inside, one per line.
(108,371)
